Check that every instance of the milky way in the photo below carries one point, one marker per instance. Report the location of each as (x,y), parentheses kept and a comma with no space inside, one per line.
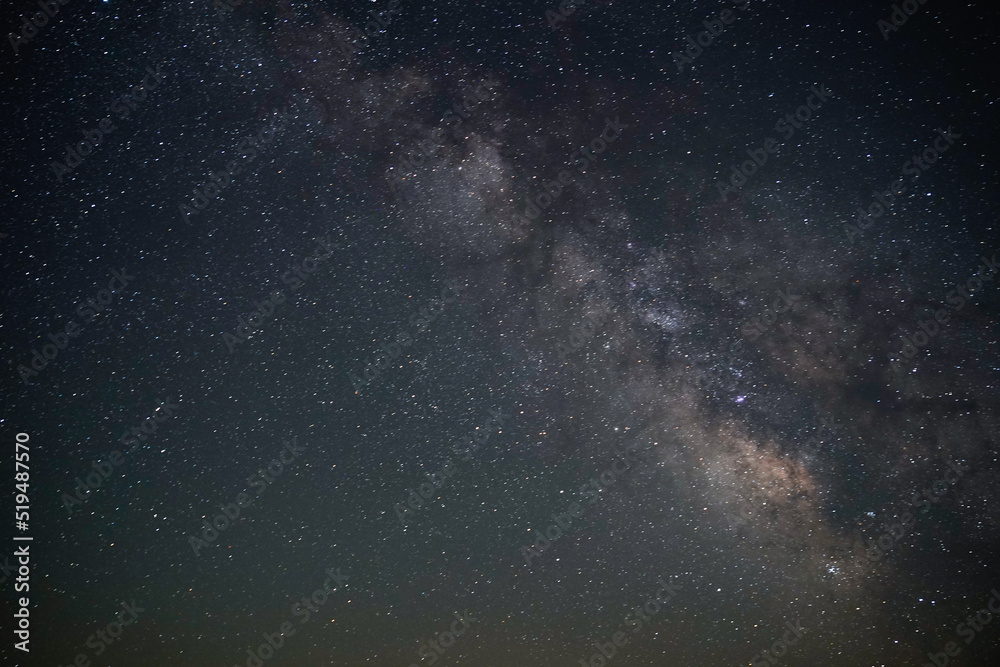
(807,412)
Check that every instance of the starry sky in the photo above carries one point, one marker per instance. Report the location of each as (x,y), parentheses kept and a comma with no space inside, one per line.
(400,333)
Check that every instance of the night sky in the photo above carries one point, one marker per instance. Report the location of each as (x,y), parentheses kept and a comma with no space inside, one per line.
(398,333)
